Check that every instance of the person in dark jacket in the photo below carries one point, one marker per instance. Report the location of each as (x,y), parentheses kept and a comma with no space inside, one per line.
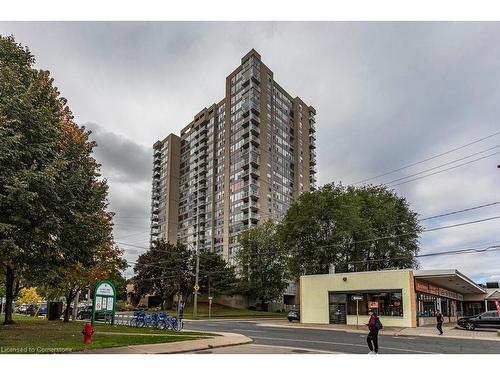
(439,320)
(372,338)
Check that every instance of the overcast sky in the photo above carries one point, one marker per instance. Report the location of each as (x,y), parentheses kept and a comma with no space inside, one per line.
(386,95)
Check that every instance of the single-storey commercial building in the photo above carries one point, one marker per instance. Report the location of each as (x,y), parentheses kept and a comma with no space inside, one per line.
(402,298)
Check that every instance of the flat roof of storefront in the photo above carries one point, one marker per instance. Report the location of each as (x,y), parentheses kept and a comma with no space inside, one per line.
(450,279)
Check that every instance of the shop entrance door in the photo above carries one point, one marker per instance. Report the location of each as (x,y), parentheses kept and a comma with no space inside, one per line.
(337,313)
(337,308)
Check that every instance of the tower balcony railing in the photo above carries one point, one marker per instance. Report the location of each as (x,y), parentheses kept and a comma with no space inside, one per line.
(251,205)
(252,216)
(250,106)
(250,190)
(250,172)
(251,158)
(312,127)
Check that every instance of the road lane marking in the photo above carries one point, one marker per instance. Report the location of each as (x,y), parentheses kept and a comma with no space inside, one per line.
(297,348)
(341,343)
(248,330)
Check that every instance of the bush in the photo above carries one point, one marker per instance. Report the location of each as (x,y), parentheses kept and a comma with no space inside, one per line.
(121,306)
(252,308)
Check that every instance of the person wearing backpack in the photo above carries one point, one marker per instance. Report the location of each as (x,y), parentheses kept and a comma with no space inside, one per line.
(374,325)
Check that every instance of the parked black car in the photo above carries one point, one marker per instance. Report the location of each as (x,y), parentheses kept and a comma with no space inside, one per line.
(86,314)
(488,319)
(293,315)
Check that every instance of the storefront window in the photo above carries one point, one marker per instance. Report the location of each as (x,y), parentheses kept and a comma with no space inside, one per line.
(426,305)
(387,303)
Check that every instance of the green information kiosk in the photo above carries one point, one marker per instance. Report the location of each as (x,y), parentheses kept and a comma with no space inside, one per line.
(104,300)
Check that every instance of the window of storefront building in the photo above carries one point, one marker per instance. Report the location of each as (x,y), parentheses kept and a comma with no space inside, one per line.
(491,305)
(428,304)
(473,308)
(384,303)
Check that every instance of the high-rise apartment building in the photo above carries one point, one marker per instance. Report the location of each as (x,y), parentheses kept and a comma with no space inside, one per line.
(240,162)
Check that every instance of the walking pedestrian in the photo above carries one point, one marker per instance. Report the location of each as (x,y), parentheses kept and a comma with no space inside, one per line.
(374,325)
(440,320)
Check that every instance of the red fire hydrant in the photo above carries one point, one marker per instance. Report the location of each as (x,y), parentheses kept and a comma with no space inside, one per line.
(87,333)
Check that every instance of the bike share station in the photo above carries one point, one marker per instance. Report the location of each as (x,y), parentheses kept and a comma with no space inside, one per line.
(104,301)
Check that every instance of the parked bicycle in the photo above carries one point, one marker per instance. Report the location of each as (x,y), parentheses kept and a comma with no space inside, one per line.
(167,321)
(156,321)
(138,320)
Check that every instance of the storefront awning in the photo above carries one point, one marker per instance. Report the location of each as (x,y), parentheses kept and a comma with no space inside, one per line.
(450,280)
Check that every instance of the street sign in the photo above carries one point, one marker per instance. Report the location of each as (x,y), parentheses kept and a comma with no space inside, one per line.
(357,298)
(104,300)
(196,287)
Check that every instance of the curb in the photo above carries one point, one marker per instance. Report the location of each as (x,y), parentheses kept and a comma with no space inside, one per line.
(225,339)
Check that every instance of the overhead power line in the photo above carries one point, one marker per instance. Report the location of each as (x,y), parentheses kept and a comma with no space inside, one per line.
(460,211)
(414,233)
(441,165)
(369,240)
(445,170)
(427,159)
(374,239)
(451,252)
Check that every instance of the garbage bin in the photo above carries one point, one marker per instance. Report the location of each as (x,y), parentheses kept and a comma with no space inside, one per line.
(54,310)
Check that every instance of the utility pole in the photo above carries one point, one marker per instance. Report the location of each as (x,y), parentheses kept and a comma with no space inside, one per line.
(196,278)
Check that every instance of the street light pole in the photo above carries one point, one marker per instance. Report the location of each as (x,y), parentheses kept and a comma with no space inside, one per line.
(196,278)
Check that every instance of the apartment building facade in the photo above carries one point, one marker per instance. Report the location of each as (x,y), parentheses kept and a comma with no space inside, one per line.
(240,162)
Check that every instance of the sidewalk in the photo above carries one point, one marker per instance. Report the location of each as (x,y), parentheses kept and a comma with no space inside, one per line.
(450,330)
(224,339)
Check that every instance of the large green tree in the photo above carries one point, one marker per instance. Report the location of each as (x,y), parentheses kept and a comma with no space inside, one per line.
(350,228)
(30,114)
(262,263)
(85,238)
(164,270)
(215,273)
(54,226)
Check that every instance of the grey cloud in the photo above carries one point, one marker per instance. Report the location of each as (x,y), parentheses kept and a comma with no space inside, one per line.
(386,94)
(122,159)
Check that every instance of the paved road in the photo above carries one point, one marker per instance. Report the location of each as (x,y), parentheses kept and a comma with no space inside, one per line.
(260,349)
(345,342)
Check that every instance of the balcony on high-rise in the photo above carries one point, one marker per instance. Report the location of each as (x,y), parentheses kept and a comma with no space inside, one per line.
(252,216)
(252,205)
(250,172)
(250,158)
(250,191)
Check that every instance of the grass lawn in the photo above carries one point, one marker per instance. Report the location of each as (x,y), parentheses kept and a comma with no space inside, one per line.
(38,335)
(220,312)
